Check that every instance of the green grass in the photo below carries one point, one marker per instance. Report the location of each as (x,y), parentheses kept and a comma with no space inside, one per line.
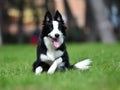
(104,74)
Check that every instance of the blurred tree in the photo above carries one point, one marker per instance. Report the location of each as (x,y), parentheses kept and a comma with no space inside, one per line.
(0,24)
(1,19)
(90,31)
(46,4)
(36,12)
(20,22)
(103,25)
(75,33)
(49,5)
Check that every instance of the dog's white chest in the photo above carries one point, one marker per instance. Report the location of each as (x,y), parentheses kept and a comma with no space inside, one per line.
(52,55)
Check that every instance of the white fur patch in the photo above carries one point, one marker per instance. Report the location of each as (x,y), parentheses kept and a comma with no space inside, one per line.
(38,70)
(55,24)
(51,54)
(83,65)
(54,66)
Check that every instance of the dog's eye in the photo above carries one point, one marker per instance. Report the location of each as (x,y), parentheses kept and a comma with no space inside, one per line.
(60,27)
(51,28)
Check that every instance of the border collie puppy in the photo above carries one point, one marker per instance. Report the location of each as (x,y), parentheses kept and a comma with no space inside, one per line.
(51,50)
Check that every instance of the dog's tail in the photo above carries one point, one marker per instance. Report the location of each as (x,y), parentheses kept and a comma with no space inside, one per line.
(83,65)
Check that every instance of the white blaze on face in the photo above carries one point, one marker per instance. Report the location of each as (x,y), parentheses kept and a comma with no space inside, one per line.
(55,31)
(55,25)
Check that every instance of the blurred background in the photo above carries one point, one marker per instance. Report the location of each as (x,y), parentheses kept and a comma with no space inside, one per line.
(87,20)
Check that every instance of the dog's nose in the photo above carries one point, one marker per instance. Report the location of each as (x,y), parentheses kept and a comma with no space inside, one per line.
(57,35)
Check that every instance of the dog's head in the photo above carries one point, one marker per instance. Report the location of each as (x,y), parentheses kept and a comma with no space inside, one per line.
(53,29)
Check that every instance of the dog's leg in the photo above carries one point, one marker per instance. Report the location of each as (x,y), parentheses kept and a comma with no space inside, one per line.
(54,66)
(44,58)
(38,70)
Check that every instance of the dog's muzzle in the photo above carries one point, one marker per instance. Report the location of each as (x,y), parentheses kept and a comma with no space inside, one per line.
(55,40)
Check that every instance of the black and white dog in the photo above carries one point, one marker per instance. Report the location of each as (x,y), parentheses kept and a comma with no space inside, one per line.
(51,50)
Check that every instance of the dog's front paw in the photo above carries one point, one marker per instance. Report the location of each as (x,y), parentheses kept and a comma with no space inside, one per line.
(38,70)
(52,68)
(50,71)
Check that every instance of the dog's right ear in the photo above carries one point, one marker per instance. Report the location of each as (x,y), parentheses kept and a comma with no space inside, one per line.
(58,17)
(47,18)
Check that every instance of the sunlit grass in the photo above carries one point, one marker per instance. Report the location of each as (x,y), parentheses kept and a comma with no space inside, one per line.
(104,74)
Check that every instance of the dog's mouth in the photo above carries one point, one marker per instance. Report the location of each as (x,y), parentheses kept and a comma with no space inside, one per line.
(54,41)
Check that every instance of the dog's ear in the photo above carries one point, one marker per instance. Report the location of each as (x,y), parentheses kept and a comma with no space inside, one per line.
(47,18)
(58,17)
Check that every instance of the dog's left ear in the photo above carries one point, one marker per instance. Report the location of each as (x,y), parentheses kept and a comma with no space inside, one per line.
(58,17)
(47,18)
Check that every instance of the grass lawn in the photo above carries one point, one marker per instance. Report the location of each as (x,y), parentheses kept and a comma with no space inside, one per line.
(104,74)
